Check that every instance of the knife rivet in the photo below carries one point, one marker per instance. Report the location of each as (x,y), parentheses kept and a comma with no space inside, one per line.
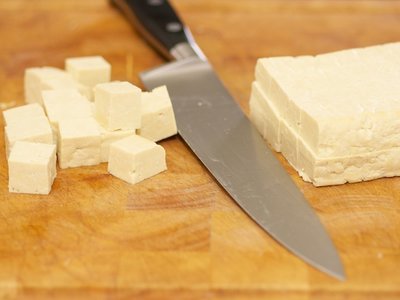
(173,27)
(155,2)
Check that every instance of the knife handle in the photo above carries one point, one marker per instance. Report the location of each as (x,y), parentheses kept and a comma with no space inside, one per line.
(158,22)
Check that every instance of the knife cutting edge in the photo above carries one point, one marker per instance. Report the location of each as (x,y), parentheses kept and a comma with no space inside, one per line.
(218,132)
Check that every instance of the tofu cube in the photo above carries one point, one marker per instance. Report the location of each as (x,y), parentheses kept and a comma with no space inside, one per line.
(79,142)
(89,70)
(65,104)
(67,83)
(35,78)
(118,105)
(36,129)
(19,113)
(108,137)
(135,158)
(158,119)
(31,168)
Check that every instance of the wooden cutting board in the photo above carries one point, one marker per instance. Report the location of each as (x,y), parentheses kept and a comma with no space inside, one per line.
(178,235)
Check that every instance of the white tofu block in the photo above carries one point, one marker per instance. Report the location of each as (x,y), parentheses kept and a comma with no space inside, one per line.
(257,117)
(289,144)
(35,78)
(265,117)
(355,168)
(31,168)
(65,104)
(79,142)
(35,129)
(67,82)
(135,158)
(322,171)
(118,105)
(16,114)
(108,137)
(158,119)
(89,70)
(341,103)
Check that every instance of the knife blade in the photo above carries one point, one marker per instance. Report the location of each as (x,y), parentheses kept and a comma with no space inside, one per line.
(218,132)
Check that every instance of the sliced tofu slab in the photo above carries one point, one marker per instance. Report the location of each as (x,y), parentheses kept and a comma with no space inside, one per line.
(322,171)
(340,103)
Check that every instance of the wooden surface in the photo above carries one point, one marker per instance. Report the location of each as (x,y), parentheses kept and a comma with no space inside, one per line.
(178,235)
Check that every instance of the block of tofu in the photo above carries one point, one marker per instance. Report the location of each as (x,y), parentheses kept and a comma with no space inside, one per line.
(118,105)
(341,103)
(31,168)
(158,119)
(355,168)
(89,70)
(16,114)
(67,82)
(320,171)
(46,78)
(265,117)
(33,81)
(135,158)
(65,104)
(35,129)
(108,137)
(79,142)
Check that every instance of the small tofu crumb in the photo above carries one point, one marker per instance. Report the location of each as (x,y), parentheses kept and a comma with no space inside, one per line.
(135,158)
(31,168)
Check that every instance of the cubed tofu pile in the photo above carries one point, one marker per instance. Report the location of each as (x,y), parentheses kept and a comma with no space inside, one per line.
(79,117)
(336,116)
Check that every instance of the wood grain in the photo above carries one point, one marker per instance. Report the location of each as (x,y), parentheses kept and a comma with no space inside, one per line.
(178,235)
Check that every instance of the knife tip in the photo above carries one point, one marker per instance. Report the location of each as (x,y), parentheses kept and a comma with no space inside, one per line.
(334,269)
(338,274)
(328,261)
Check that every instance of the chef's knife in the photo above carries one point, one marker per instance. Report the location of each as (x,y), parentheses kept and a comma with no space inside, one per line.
(219,133)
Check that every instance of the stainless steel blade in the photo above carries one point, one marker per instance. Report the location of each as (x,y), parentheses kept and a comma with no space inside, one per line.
(218,132)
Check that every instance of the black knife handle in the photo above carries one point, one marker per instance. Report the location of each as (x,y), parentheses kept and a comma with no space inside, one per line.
(158,22)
